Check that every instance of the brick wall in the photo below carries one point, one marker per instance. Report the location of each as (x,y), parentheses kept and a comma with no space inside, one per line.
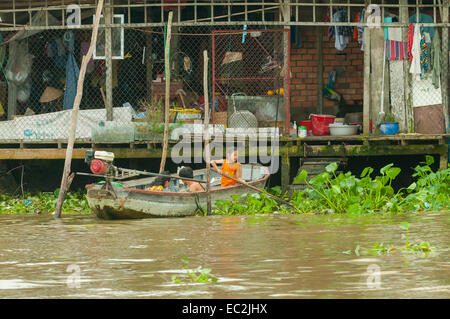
(348,63)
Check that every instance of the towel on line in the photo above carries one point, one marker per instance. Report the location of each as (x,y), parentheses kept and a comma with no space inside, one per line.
(396,50)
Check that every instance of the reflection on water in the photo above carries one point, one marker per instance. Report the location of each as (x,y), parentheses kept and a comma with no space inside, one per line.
(253,257)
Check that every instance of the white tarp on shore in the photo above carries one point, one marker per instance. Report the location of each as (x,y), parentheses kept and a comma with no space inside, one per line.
(56,125)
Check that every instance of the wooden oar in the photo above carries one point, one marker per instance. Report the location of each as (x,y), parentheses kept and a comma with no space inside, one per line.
(282,201)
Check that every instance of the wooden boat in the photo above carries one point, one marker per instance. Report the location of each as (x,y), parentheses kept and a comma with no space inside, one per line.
(133,200)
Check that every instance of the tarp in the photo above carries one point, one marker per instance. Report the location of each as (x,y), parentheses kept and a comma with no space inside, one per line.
(36,21)
(72,72)
(51,126)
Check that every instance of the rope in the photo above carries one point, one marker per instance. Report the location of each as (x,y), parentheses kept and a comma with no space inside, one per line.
(197,202)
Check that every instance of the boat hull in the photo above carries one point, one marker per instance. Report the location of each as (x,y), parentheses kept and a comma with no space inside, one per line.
(129,203)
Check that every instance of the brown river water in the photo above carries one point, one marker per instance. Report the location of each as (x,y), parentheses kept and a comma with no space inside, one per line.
(278,256)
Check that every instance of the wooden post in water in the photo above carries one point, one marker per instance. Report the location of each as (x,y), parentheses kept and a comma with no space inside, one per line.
(444,63)
(108,61)
(167,100)
(207,137)
(367,98)
(65,181)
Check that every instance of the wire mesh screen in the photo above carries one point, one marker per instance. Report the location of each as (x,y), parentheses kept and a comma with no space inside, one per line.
(249,75)
(40,72)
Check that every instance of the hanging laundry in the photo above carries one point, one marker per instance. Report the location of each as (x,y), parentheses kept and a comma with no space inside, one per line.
(361,29)
(72,72)
(424,50)
(395,50)
(424,18)
(436,61)
(296,40)
(342,34)
(84,48)
(392,33)
(415,52)
(355,29)
(386,32)
(410,42)
(330,28)
(55,49)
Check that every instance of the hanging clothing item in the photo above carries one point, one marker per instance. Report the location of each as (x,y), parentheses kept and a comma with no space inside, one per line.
(55,49)
(410,42)
(342,34)
(72,72)
(436,49)
(361,29)
(355,29)
(392,33)
(296,40)
(386,29)
(84,48)
(415,51)
(424,18)
(331,29)
(424,51)
(395,50)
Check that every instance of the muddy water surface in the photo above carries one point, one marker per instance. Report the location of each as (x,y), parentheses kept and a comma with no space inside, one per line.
(253,257)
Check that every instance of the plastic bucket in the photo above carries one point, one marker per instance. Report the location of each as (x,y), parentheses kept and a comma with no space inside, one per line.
(320,124)
(308,125)
(389,128)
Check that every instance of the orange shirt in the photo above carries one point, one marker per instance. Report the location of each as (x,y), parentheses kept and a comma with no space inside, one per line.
(230,172)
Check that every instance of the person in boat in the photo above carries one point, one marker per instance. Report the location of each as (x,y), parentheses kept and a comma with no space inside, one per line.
(230,167)
(160,183)
(188,173)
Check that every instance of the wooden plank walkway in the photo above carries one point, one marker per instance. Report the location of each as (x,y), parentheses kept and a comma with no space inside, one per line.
(311,146)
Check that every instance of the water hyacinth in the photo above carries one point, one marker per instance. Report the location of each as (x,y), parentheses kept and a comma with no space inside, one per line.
(346,193)
(43,203)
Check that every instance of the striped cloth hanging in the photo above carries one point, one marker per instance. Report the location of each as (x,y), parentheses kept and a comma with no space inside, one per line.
(396,50)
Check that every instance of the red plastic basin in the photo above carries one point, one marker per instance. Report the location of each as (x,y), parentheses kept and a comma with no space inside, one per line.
(320,124)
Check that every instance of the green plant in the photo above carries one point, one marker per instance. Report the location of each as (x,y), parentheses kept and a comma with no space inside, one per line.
(431,190)
(197,275)
(418,246)
(346,193)
(43,203)
(382,249)
(389,117)
(250,204)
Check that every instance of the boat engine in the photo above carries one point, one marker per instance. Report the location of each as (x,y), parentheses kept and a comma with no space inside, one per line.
(100,162)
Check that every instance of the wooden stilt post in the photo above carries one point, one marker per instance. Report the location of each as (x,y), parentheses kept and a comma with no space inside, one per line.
(367,98)
(65,181)
(207,137)
(444,63)
(108,61)
(167,99)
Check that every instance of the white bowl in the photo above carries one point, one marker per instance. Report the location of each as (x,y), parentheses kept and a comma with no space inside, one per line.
(337,129)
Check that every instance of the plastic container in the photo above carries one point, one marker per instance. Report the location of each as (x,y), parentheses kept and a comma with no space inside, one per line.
(302,131)
(361,126)
(320,124)
(343,129)
(389,128)
(308,125)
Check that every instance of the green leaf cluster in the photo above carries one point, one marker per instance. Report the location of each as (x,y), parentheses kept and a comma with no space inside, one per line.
(197,275)
(43,203)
